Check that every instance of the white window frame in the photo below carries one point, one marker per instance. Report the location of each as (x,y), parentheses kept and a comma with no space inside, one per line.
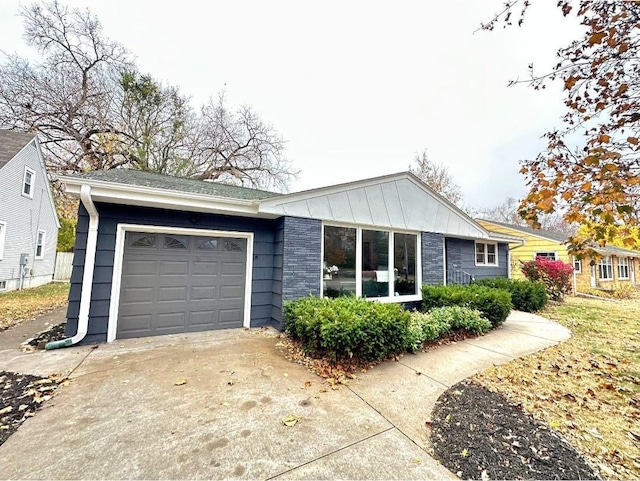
(3,236)
(544,255)
(486,254)
(577,262)
(626,266)
(605,265)
(3,285)
(359,229)
(40,244)
(31,185)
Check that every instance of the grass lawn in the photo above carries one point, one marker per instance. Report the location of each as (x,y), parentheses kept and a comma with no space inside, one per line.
(587,388)
(19,306)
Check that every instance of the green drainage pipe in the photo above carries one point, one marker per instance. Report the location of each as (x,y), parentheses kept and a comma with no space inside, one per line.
(56,344)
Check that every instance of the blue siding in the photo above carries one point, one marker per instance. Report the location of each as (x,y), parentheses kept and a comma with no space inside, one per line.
(265,307)
(301,257)
(460,255)
(432,261)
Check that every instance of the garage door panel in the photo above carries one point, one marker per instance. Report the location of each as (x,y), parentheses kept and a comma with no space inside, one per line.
(172,268)
(135,324)
(202,293)
(170,320)
(203,319)
(231,293)
(181,284)
(232,268)
(172,294)
(228,316)
(140,268)
(137,294)
(205,268)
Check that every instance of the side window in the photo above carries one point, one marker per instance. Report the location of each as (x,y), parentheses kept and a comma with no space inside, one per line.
(40,244)
(28,182)
(143,240)
(3,235)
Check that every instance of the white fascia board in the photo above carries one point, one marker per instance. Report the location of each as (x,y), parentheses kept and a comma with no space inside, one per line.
(168,199)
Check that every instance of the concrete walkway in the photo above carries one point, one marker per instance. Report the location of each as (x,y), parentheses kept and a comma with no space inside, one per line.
(128,414)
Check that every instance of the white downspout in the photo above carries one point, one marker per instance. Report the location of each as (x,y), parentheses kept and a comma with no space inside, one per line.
(87,275)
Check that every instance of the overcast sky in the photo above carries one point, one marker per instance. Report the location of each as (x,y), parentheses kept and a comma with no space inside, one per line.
(356,88)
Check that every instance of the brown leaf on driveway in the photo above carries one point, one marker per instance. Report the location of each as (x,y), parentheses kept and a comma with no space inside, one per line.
(180,382)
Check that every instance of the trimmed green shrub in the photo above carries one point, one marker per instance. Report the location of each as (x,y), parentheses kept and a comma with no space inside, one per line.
(494,304)
(459,317)
(432,325)
(526,296)
(347,327)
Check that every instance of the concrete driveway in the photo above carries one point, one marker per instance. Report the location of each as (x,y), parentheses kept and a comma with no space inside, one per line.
(128,414)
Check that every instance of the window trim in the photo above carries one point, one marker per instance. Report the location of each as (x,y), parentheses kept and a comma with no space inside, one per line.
(579,262)
(31,185)
(3,236)
(602,267)
(358,267)
(486,253)
(620,276)
(537,254)
(3,285)
(41,245)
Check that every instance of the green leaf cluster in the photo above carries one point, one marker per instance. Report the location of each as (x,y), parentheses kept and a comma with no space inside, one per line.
(347,327)
(494,304)
(526,296)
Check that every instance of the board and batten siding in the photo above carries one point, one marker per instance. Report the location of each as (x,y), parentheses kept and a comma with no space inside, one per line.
(527,251)
(461,256)
(23,217)
(111,215)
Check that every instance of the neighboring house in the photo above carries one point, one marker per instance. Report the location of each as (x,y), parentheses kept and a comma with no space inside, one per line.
(614,266)
(159,255)
(28,221)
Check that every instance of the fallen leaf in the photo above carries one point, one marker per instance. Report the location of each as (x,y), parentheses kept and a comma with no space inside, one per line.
(180,382)
(291,420)
(594,432)
(417,461)
(6,410)
(307,384)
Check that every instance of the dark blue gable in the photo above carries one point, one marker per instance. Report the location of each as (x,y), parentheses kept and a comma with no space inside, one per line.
(265,307)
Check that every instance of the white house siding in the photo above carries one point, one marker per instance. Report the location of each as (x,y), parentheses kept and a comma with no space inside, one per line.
(23,217)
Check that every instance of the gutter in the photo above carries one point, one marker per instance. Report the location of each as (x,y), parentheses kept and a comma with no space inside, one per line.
(87,275)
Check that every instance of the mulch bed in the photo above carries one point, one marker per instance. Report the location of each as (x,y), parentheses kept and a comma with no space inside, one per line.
(54,333)
(477,434)
(21,395)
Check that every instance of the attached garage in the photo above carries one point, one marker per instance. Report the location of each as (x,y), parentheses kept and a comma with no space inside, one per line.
(173,283)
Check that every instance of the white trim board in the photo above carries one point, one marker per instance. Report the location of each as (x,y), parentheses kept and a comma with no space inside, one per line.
(116,279)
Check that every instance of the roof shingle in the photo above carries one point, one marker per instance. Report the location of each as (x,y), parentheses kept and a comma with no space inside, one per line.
(160,181)
(12,142)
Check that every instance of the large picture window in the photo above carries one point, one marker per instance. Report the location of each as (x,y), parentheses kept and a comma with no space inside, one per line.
(404,262)
(369,263)
(339,261)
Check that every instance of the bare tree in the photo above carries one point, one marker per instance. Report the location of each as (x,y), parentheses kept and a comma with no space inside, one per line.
(437,177)
(68,97)
(93,110)
(236,146)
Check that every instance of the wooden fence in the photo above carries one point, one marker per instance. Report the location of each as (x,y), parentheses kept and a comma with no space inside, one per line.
(64,262)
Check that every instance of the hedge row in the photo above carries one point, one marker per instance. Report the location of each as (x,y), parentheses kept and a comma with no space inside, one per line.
(347,327)
(494,304)
(526,296)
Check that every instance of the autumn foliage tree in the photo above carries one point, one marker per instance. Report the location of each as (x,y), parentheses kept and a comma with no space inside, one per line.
(591,164)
